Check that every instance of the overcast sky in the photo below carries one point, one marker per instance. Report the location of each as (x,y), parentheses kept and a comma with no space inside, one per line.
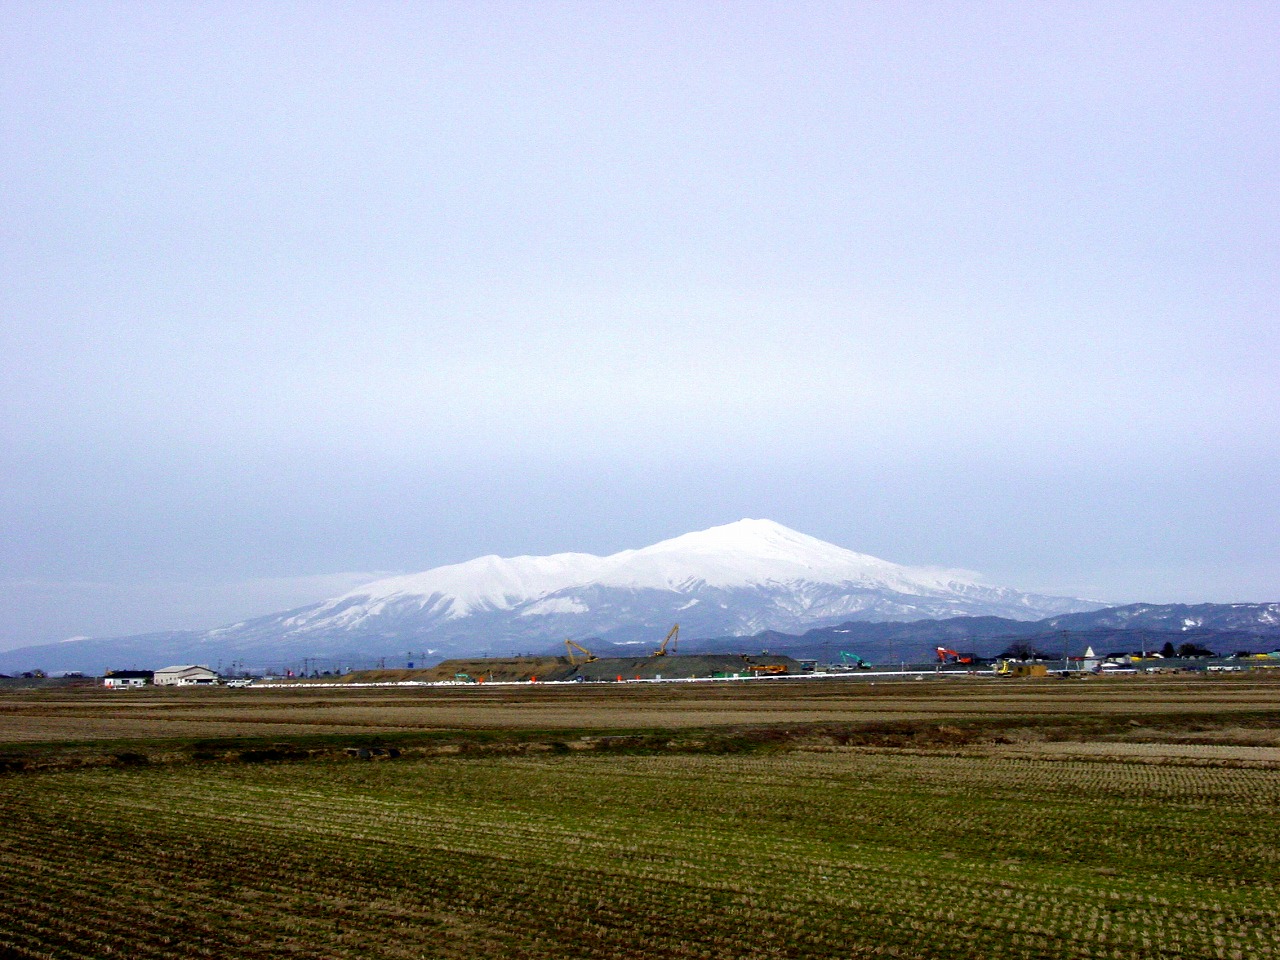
(295,295)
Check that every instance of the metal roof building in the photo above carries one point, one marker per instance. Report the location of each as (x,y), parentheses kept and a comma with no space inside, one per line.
(188,675)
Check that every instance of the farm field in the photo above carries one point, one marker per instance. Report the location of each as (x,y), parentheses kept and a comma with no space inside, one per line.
(164,714)
(924,825)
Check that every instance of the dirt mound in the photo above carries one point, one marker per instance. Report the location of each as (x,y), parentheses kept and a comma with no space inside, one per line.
(507,669)
(385,676)
(524,669)
(687,666)
(504,669)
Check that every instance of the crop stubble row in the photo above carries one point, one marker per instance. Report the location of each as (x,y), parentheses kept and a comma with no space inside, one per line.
(799,854)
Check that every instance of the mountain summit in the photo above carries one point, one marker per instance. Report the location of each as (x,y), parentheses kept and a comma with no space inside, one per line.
(749,554)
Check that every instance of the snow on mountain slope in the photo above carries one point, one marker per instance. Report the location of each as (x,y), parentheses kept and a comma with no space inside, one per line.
(742,554)
(486,583)
(761,553)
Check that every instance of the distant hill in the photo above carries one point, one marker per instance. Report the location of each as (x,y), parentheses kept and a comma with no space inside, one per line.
(1223,628)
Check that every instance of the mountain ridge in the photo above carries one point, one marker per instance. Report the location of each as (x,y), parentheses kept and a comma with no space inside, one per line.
(1223,627)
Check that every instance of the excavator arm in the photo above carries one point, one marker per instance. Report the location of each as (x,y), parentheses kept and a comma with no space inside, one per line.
(570,646)
(672,638)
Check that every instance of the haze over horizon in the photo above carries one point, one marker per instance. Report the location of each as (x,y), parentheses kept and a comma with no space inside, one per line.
(301,296)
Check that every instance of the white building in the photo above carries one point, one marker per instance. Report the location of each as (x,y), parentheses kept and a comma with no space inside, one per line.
(123,679)
(189,675)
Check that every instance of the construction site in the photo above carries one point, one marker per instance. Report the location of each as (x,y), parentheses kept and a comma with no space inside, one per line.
(578,664)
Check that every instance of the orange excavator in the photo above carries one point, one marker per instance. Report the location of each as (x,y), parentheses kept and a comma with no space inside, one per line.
(953,656)
(672,638)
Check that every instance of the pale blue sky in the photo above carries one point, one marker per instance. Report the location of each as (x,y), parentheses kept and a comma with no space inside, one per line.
(297,293)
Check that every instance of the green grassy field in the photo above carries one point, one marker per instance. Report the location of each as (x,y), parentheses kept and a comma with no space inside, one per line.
(1119,818)
(809,851)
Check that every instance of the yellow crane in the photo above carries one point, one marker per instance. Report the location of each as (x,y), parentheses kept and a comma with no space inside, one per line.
(672,638)
(570,646)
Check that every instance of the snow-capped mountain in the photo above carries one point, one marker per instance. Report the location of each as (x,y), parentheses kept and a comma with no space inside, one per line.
(748,576)
(735,579)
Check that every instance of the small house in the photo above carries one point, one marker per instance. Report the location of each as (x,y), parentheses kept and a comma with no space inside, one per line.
(124,679)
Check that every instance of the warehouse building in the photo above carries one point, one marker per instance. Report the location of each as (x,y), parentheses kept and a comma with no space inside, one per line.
(189,675)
